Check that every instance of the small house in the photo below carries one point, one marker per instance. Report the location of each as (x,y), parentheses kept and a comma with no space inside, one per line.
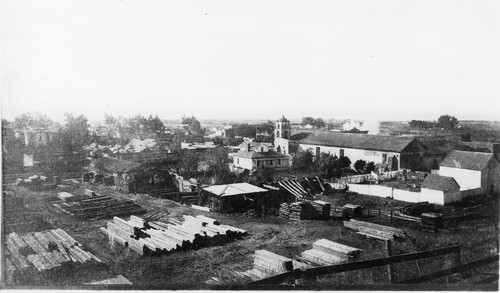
(235,197)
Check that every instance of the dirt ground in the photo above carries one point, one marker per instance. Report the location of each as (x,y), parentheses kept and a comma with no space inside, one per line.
(196,269)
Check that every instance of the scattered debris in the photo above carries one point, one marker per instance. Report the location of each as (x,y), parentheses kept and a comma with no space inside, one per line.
(118,280)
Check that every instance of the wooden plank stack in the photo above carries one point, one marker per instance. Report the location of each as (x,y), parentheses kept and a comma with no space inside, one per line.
(39,256)
(376,231)
(267,264)
(352,211)
(326,252)
(118,280)
(158,238)
(99,206)
(305,210)
(431,221)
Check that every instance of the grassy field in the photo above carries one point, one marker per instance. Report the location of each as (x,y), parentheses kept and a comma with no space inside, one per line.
(196,269)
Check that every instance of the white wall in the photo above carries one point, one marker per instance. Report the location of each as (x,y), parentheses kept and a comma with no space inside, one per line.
(354,154)
(467,179)
(245,163)
(283,144)
(432,196)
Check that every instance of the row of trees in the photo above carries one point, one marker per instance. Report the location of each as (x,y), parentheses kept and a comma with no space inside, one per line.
(330,166)
(444,121)
(316,122)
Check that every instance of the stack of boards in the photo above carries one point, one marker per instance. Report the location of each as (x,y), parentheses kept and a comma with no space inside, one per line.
(324,252)
(40,256)
(158,238)
(92,205)
(305,210)
(376,231)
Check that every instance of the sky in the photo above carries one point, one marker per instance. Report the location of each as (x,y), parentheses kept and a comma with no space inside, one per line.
(259,59)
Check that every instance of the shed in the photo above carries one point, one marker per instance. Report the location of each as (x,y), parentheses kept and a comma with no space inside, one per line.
(237,197)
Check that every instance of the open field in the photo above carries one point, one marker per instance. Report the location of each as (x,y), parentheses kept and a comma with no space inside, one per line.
(192,269)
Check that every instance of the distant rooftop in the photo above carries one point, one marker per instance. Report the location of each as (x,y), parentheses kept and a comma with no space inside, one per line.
(466,160)
(234,189)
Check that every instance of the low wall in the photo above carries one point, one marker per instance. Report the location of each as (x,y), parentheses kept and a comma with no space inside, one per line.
(432,196)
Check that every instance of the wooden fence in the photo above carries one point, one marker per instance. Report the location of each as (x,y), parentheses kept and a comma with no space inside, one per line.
(352,266)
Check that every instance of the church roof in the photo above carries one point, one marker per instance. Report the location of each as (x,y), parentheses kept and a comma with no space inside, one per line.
(358,141)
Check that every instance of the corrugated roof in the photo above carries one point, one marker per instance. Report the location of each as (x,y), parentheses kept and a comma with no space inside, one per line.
(438,182)
(234,189)
(466,160)
(270,154)
(115,165)
(358,141)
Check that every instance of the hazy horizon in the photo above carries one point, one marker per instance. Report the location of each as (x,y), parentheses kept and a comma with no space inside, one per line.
(387,60)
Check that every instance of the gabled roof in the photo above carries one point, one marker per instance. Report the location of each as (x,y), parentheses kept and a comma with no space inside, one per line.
(438,182)
(270,154)
(244,145)
(115,165)
(358,141)
(234,189)
(466,160)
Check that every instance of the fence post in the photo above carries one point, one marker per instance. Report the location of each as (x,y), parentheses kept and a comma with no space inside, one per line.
(391,214)
(379,213)
(388,247)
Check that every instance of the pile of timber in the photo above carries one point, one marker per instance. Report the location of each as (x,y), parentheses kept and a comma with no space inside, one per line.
(118,280)
(352,211)
(375,230)
(267,264)
(294,187)
(326,252)
(431,221)
(284,211)
(158,238)
(39,256)
(405,217)
(305,210)
(93,205)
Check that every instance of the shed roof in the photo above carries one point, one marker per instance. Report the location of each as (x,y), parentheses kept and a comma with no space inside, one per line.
(115,165)
(358,141)
(466,160)
(270,154)
(234,189)
(438,182)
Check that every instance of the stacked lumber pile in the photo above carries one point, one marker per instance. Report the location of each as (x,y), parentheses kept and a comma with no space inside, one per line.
(305,210)
(376,231)
(158,238)
(326,252)
(267,264)
(118,280)
(352,211)
(431,221)
(284,211)
(323,208)
(38,256)
(99,206)
(405,217)
(293,187)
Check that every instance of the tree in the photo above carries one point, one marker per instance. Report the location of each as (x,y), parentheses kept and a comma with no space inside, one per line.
(360,165)
(33,120)
(75,133)
(370,167)
(308,120)
(192,124)
(447,122)
(319,123)
(328,165)
(303,161)
(344,163)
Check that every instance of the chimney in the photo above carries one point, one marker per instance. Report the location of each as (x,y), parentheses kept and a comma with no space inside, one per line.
(249,148)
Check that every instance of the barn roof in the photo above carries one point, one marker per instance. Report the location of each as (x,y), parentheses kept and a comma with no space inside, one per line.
(438,182)
(234,189)
(466,160)
(358,141)
(115,165)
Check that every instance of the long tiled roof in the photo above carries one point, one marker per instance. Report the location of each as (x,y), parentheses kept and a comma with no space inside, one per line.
(357,141)
(438,182)
(466,160)
(259,155)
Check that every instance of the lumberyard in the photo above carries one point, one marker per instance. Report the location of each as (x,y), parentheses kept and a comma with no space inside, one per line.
(88,235)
